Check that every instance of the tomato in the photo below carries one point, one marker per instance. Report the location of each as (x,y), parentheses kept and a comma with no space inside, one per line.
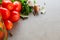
(5,13)
(8,24)
(17,6)
(7,4)
(1,35)
(15,16)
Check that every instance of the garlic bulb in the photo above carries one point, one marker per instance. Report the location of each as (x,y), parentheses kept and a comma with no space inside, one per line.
(30,2)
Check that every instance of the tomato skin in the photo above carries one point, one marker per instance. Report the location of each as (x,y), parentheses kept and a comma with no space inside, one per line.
(8,24)
(17,6)
(15,16)
(7,4)
(1,35)
(5,13)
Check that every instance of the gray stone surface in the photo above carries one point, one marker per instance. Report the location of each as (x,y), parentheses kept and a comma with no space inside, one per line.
(42,27)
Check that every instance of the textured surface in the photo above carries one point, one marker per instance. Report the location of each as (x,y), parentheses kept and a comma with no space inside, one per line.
(42,27)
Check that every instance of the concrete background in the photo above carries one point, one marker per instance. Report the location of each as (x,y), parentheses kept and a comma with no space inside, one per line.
(42,27)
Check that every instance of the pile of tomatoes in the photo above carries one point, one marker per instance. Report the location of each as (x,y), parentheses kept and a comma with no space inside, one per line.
(10,12)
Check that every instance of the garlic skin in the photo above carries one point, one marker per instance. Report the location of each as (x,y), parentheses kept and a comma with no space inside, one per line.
(30,2)
(38,7)
(43,9)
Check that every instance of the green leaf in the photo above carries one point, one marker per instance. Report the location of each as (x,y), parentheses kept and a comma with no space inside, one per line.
(30,9)
(26,8)
(23,1)
(12,0)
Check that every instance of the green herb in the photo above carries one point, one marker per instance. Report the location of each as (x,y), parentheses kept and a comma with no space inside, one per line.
(26,9)
(12,0)
(23,1)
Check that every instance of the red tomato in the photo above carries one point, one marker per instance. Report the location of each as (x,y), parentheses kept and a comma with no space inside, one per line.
(1,35)
(15,16)
(8,24)
(5,13)
(7,4)
(17,6)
